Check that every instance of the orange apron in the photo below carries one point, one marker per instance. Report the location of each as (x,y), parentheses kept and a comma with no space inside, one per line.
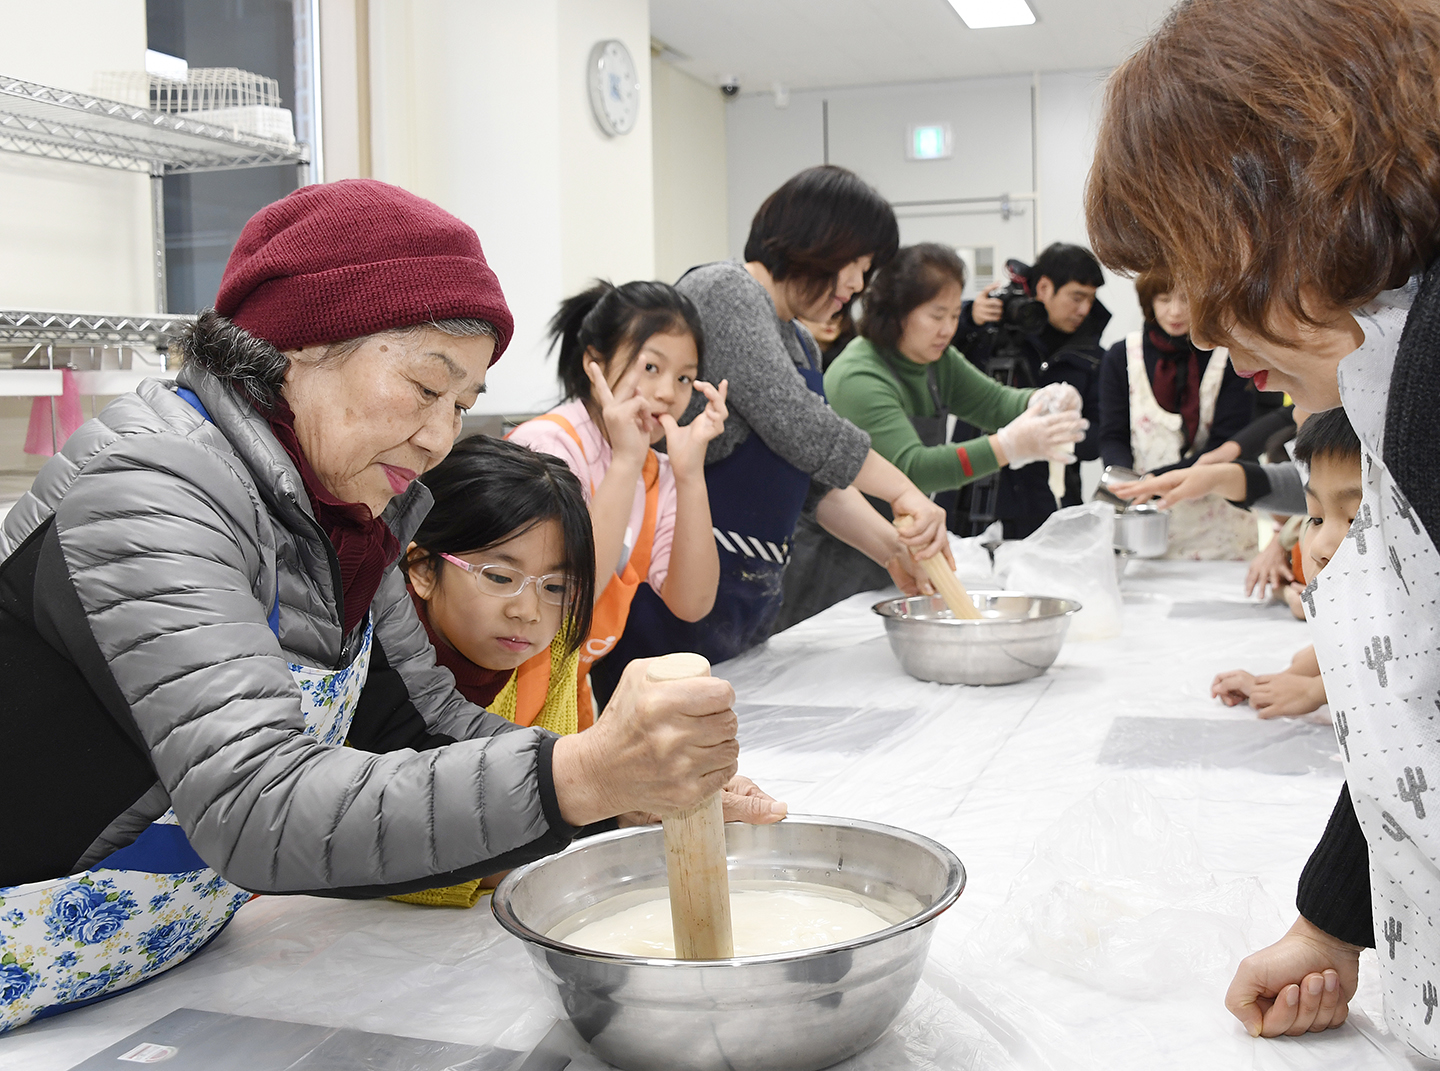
(612,609)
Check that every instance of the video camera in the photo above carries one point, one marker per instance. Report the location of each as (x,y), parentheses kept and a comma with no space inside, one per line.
(1020,308)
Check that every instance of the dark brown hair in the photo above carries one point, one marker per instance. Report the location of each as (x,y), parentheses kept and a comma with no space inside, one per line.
(1149,286)
(615,320)
(1276,156)
(916,275)
(818,222)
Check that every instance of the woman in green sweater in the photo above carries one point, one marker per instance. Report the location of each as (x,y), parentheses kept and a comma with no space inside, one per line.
(899,381)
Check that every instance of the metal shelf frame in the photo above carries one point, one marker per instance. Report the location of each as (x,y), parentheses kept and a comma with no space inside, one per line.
(61,124)
(64,125)
(91,329)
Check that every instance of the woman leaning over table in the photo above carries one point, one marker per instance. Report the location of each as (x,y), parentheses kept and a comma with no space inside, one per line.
(812,246)
(1304,229)
(198,608)
(900,380)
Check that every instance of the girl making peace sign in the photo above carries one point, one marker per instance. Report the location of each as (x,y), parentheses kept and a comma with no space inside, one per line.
(629,361)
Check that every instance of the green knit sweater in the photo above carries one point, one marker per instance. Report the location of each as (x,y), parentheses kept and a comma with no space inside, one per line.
(862,389)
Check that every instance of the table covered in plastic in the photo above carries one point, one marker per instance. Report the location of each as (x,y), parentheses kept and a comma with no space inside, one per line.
(1127,838)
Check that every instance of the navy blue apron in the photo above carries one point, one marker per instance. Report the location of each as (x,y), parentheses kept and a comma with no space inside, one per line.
(755,501)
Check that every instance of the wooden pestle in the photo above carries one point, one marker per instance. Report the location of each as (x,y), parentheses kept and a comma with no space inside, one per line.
(947,584)
(695,852)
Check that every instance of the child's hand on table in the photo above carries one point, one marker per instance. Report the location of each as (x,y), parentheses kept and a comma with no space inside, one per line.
(1269,570)
(744,801)
(1286,695)
(1233,687)
(1302,983)
(1273,695)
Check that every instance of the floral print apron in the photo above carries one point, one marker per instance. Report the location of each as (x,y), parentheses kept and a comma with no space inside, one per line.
(1207,528)
(1373,617)
(69,941)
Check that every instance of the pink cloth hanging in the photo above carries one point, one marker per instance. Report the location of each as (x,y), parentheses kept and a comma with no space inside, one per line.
(44,437)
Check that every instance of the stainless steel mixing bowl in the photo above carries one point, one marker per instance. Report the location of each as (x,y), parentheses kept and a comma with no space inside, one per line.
(794,1011)
(1018,637)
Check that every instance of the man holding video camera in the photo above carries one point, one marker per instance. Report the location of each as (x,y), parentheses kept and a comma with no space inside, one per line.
(1041,327)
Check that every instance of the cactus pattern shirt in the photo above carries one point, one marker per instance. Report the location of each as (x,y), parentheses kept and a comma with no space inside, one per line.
(1373,612)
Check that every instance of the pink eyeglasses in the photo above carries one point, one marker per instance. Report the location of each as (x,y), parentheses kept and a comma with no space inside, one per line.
(506,583)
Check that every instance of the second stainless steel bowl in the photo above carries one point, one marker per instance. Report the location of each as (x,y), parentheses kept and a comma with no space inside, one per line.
(793,1011)
(1018,637)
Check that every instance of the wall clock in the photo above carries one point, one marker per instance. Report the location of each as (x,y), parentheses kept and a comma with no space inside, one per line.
(614,87)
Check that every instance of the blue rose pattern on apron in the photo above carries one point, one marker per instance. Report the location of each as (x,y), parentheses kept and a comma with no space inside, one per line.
(66,942)
(755,501)
(1385,695)
(70,941)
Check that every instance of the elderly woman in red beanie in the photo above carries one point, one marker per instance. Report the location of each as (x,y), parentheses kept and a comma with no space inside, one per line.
(197,609)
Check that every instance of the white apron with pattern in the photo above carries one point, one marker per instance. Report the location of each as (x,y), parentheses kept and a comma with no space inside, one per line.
(73,940)
(1209,528)
(1374,612)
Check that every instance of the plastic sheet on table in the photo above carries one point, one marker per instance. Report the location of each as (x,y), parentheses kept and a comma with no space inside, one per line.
(1280,746)
(1117,897)
(191,1040)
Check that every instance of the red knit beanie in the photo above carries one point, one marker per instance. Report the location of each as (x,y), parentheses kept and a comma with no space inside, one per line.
(340,260)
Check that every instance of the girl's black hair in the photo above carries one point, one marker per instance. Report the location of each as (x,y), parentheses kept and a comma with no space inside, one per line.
(818,222)
(916,275)
(610,319)
(1327,434)
(489,490)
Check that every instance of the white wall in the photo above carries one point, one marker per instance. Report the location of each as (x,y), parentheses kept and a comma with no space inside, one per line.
(73,236)
(607,205)
(994,154)
(690,180)
(339,90)
(481,106)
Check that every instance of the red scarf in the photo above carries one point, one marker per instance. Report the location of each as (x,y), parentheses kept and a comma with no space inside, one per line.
(475,683)
(1166,383)
(364,544)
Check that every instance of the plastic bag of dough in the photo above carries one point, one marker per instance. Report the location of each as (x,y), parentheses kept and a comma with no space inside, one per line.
(1071,556)
(973,563)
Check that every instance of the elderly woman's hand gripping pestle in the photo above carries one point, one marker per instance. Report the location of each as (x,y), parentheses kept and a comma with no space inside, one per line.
(671,750)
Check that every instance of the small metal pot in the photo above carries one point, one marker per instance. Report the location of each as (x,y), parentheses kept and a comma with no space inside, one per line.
(792,1011)
(1112,475)
(1144,530)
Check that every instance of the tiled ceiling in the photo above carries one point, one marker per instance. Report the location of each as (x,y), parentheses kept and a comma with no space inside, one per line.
(805,44)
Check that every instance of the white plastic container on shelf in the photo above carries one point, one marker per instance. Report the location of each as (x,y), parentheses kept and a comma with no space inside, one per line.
(244,102)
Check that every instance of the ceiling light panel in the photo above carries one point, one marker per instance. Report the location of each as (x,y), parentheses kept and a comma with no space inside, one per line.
(985,14)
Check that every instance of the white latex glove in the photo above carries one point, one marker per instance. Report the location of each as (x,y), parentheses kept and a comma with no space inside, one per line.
(1055,398)
(1034,436)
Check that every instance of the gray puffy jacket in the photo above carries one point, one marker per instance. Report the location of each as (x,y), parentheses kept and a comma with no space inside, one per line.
(138,576)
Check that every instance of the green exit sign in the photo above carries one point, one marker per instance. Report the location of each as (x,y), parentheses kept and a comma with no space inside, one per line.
(930,142)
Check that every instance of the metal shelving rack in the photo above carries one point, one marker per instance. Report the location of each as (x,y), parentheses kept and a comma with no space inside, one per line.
(61,124)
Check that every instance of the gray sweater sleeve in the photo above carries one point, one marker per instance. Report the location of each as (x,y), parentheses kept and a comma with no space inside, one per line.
(1287,489)
(160,538)
(747,344)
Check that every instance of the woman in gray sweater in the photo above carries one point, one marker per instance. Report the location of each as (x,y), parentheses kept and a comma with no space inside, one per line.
(812,246)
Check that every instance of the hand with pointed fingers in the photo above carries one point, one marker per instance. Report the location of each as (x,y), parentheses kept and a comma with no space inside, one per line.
(685,445)
(624,411)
